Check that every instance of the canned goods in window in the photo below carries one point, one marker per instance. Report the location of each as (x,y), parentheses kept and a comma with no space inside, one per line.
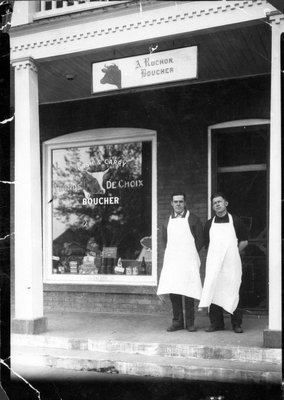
(135,270)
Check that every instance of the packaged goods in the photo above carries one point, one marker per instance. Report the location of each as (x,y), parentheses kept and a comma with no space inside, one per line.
(118,269)
(88,267)
(73,265)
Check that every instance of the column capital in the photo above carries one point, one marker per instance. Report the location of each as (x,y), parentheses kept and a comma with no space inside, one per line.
(25,63)
(277,19)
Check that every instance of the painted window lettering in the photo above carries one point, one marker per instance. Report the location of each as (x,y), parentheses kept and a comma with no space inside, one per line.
(100,200)
(124,184)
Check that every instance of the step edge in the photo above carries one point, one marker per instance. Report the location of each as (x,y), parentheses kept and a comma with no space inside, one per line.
(176,371)
(268,355)
(102,356)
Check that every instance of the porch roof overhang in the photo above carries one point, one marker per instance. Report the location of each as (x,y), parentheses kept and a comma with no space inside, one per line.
(234,41)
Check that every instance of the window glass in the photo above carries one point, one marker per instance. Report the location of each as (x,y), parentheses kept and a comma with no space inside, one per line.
(101,209)
(242,146)
(247,195)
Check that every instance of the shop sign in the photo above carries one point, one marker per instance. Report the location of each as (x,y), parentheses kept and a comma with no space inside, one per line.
(143,70)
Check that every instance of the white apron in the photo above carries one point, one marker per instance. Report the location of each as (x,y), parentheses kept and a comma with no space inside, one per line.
(223,268)
(180,273)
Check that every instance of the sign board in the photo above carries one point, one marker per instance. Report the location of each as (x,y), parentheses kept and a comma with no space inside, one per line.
(143,70)
(109,252)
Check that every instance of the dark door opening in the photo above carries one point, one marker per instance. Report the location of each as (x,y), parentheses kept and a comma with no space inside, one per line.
(239,169)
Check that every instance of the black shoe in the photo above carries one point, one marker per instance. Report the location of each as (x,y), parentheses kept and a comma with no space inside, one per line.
(237,329)
(173,328)
(191,328)
(212,328)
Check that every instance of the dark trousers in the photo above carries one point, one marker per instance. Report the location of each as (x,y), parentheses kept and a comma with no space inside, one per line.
(217,318)
(176,300)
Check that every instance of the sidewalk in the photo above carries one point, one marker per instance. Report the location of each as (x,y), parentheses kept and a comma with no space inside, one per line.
(140,345)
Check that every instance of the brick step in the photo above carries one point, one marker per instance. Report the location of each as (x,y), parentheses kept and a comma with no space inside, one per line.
(142,365)
(243,354)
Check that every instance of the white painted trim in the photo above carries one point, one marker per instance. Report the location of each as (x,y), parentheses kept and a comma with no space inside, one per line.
(225,125)
(27,196)
(85,138)
(243,168)
(103,135)
(209,158)
(240,122)
(275,180)
(57,38)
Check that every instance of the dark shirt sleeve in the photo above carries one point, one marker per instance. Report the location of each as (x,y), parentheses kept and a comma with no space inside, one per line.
(164,236)
(196,228)
(240,228)
(207,227)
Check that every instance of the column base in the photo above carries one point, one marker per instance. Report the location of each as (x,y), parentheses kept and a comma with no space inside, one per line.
(272,338)
(29,326)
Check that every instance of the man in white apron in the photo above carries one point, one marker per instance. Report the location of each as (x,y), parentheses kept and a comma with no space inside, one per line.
(226,237)
(180,273)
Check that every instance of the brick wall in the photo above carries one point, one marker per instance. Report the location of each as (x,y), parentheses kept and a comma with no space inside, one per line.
(105,302)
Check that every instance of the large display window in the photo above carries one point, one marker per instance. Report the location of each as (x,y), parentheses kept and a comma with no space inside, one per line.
(99,207)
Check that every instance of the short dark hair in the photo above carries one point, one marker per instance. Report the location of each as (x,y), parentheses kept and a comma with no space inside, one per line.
(218,194)
(178,194)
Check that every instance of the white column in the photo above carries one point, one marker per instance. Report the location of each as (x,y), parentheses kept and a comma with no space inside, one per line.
(24,11)
(275,320)
(28,236)
(42,5)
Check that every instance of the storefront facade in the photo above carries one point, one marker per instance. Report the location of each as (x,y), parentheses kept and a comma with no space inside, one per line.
(193,104)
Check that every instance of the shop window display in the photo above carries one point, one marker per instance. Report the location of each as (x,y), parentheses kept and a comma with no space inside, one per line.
(101,210)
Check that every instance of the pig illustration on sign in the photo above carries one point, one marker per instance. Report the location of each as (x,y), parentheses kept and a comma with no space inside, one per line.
(112,75)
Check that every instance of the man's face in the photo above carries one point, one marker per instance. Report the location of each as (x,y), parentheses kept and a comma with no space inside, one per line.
(219,205)
(178,203)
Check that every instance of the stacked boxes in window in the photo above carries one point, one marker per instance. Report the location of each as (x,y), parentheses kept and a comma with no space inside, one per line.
(109,255)
(73,267)
(88,267)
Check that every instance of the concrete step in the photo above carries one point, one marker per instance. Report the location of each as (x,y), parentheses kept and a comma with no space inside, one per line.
(237,353)
(145,365)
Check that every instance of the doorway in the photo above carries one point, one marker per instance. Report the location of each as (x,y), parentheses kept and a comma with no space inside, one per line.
(238,154)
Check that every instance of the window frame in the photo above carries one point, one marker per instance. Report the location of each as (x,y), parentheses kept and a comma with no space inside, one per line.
(213,170)
(225,125)
(92,137)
